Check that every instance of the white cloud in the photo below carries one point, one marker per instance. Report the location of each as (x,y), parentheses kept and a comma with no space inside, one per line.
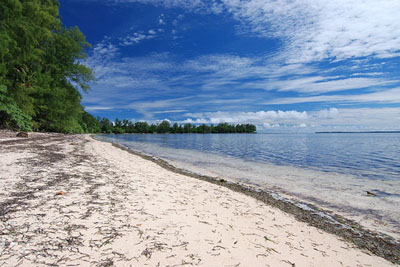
(259,117)
(137,37)
(219,63)
(104,51)
(360,119)
(95,108)
(170,111)
(328,113)
(329,119)
(324,29)
(227,77)
(320,84)
(311,30)
(317,28)
(203,6)
(148,108)
(385,96)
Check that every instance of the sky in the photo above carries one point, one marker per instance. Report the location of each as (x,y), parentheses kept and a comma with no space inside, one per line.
(286,66)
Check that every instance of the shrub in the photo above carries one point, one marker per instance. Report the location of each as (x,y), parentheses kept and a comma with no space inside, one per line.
(11,116)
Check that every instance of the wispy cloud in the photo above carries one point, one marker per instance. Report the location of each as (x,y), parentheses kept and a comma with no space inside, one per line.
(137,37)
(332,52)
(95,108)
(311,30)
(320,84)
(224,74)
(148,108)
(317,30)
(385,96)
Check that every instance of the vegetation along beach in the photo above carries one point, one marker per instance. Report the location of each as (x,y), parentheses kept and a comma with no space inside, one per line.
(199,133)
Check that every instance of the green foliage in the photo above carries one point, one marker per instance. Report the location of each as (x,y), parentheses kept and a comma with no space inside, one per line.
(126,126)
(10,115)
(106,126)
(89,123)
(164,127)
(41,65)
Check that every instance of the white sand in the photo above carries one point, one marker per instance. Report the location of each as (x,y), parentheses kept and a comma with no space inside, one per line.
(119,209)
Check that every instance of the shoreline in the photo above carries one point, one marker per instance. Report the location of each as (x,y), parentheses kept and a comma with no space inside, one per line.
(340,190)
(379,244)
(73,200)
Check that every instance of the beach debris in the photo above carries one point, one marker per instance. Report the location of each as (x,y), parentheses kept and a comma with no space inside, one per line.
(267,239)
(371,194)
(147,253)
(22,134)
(290,263)
(222,180)
(60,193)
(107,262)
(49,242)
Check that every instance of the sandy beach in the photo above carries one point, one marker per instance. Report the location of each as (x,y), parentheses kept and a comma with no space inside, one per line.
(69,200)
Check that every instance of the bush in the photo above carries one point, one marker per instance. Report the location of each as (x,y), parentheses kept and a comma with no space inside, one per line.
(11,116)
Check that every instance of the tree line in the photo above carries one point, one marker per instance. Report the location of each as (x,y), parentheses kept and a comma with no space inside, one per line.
(104,125)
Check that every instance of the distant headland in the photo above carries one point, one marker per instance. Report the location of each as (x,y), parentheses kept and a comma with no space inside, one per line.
(359,132)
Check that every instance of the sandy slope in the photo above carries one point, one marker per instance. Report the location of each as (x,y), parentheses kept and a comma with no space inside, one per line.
(71,200)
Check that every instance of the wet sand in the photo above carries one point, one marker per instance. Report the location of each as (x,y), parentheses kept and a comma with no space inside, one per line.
(69,200)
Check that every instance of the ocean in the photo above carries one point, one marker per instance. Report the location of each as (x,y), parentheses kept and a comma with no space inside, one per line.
(331,170)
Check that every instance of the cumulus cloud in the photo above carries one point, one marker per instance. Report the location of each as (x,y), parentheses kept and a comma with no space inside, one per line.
(356,119)
(259,117)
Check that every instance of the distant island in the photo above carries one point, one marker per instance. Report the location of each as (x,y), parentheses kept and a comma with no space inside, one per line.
(360,132)
(104,125)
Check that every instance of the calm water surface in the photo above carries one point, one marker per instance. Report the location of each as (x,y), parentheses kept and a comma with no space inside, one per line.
(371,156)
(331,170)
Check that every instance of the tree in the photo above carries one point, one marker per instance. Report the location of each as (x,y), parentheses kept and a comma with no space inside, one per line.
(164,127)
(187,128)
(41,64)
(89,123)
(141,127)
(106,126)
(152,128)
(175,128)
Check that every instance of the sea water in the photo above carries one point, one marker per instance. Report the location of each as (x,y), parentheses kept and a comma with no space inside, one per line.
(333,171)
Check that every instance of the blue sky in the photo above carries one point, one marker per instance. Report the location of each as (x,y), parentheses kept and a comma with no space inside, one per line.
(290,65)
